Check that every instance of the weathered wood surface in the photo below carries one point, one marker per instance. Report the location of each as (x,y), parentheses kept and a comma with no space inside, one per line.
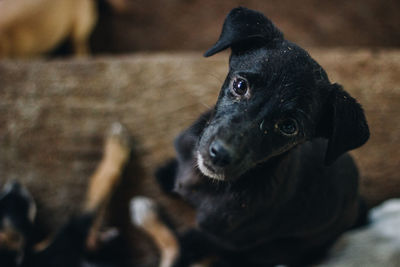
(54,114)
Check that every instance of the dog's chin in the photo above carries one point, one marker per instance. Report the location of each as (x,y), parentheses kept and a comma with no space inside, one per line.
(207,171)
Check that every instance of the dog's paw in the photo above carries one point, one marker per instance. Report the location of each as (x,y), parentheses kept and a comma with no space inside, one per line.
(143,211)
(100,238)
(118,143)
(120,133)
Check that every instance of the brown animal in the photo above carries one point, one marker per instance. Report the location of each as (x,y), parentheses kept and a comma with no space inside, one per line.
(33,27)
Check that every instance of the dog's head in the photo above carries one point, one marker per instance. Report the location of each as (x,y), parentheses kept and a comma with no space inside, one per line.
(17,215)
(275,96)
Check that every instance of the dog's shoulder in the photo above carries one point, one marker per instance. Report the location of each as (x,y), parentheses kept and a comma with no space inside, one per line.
(341,176)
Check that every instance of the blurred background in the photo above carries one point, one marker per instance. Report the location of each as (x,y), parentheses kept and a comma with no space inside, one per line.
(125,26)
(194,24)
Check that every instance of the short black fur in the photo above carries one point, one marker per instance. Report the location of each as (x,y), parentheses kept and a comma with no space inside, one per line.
(17,213)
(67,248)
(267,169)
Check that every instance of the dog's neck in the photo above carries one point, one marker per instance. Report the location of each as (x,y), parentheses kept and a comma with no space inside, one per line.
(272,186)
(269,178)
(273,175)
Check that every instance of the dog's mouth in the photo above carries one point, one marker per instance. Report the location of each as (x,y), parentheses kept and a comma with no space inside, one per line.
(208,170)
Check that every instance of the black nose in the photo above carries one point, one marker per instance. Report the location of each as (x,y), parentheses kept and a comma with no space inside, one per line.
(219,154)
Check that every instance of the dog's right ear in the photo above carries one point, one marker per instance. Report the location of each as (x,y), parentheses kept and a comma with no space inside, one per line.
(244,28)
(343,124)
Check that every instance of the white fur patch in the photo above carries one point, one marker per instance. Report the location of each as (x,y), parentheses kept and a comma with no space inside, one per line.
(142,210)
(207,172)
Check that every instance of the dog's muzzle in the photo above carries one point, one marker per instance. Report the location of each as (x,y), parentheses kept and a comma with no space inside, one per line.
(217,156)
(207,170)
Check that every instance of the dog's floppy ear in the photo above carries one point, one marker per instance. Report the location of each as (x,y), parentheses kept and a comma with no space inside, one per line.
(343,124)
(242,29)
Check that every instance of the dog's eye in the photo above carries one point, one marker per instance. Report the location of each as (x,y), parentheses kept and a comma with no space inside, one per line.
(288,127)
(240,86)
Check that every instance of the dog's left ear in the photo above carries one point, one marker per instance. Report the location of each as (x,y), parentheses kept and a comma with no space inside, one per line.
(244,28)
(343,124)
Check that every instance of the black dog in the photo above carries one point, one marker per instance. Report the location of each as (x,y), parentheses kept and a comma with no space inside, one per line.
(17,214)
(267,169)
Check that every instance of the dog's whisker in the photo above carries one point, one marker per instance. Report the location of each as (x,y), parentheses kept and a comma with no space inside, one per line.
(206,105)
(215,77)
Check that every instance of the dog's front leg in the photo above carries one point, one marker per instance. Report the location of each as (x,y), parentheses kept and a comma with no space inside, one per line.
(85,20)
(144,215)
(106,178)
(192,248)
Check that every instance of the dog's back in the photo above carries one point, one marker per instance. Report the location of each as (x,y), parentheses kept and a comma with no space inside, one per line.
(32,27)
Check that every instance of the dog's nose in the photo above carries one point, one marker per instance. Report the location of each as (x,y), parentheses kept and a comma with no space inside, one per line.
(219,154)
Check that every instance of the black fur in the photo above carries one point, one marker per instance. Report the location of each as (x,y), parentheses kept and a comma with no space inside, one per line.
(277,198)
(17,214)
(67,248)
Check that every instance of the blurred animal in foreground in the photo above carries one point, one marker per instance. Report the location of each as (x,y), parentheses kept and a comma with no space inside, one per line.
(81,240)
(33,27)
(17,215)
